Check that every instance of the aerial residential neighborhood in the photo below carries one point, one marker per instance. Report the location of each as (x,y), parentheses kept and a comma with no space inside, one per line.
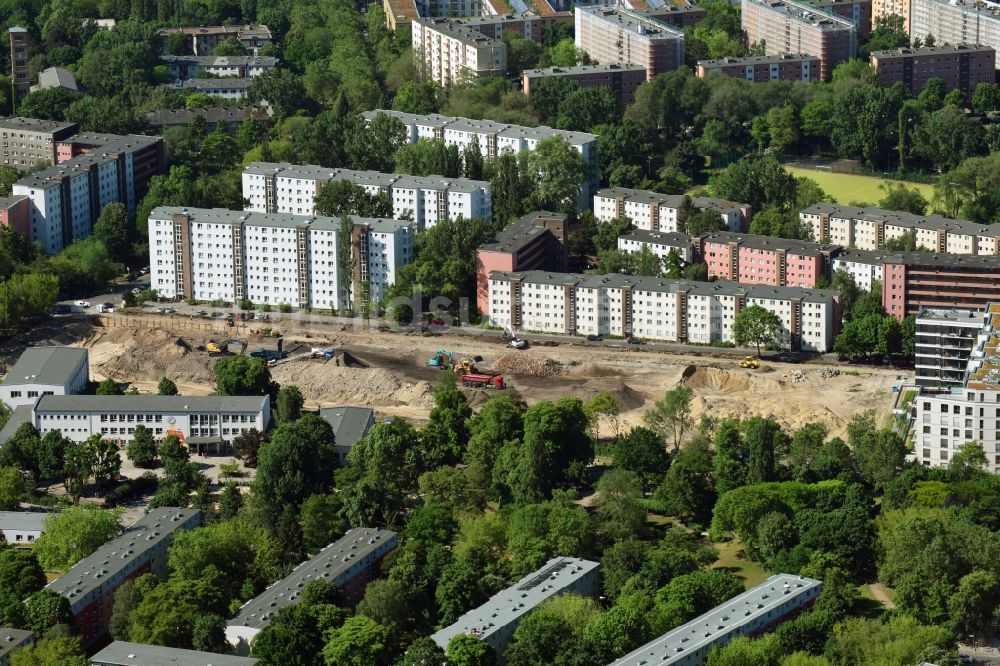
(500,333)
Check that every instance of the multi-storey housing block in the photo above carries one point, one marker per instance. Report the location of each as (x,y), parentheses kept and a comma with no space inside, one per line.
(864,266)
(349,563)
(858,12)
(90,584)
(25,142)
(20,528)
(291,188)
(495,621)
(750,259)
(244,67)
(754,612)
(12,640)
(610,35)
(621,78)
(944,342)
(653,211)
(961,67)
(123,653)
(45,371)
(869,228)
(15,213)
(793,26)
(230,87)
(273,258)
(660,243)
(658,308)
(528,25)
(202,39)
(956,21)
(449,52)
(885,8)
(761,69)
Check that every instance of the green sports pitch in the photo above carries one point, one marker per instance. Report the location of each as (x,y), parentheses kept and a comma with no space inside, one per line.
(847,188)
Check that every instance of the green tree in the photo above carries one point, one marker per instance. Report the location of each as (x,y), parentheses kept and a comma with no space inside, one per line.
(560,172)
(585,108)
(342,197)
(74,533)
(127,598)
(231,501)
(467,650)
(114,229)
(282,89)
(108,387)
(417,97)
(360,641)
(61,651)
(210,634)
(166,387)
(247,446)
(290,401)
(45,609)
(164,617)
(142,449)
(619,508)
(445,436)
(242,375)
(12,488)
(671,416)
(899,197)
(322,521)
(756,325)
(758,181)
(973,605)
(229,47)
(20,572)
(423,652)
(688,489)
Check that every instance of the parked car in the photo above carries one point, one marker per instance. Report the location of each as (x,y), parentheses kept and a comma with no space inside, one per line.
(593,338)
(201,313)
(106,308)
(82,304)
(632,340)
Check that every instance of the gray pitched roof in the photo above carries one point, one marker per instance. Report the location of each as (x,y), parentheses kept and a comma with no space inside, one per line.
(349,423)
(50,366)
(121,653)
(13,638)
(21,414)
(25,521)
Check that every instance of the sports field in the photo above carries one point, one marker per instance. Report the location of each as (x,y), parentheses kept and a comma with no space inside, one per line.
(847,188)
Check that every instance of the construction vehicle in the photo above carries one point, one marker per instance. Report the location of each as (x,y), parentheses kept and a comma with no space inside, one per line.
(465,367)
(325,353)
(482,380)
(267,354)
(750,363)
(215,349)
(442,360)
(517,343)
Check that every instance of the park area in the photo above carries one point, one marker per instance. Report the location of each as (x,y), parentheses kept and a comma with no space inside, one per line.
(848,188)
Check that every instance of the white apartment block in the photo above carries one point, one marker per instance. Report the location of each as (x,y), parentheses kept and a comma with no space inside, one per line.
(954,21)
(947,421)
(272,258)
(865,267)
(191,67)
(289,188)
(652,211)
(450,53)
(657,308)
(494,138)
(870,228)
(944,342)
(659,243)
(45,371)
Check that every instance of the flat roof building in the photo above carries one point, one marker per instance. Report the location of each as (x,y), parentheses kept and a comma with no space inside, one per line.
(90,584)
(13,639)
(24,142)
(792,26)
(752,259)
(496,620)
(610,35)
(230,117)
(45,371)
(191,66)
(122,653)
(449,52)
(349,563)
(21,528)
(230,87)
(202,39)
(660,243)
(349,425)
(621,78)
(653,211)
(755,611)
(944,341)
(761,69)
(956,22)
(961,67)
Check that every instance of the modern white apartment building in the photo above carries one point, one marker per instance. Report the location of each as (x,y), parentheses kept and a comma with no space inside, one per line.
(945,421)
(657,308)
(290,188)
(653,211)
(273,258)
(869,228)
(955,21)
(865,266)
(191,66)
(659,243)
(449,52)
(494,138)
(45,371)
(944,342)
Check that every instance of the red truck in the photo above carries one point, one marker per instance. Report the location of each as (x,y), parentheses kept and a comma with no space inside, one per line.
(480,380)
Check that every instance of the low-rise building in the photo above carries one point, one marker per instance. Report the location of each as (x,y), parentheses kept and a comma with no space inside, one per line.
(192,67)
(869,228)
(90,584)
(349,425)
(56,77)
(22,528)
(228,88)
(611,34)
(658,308)
(794,26)
(537,241)
(449,52)
(751,259)
(349,563)
(947,420)
(229,117)
(15,213)
(292,188)
(761,69)
(13,639)
(622,78)
(756,611)
(201,40)
(961,67)
(45,371)
(273,258)
(653,211)
(122,653)
(660,243)
(495,621)
(25,142)
(943,344)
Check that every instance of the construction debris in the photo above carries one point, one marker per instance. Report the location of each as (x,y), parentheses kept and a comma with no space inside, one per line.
(526,364)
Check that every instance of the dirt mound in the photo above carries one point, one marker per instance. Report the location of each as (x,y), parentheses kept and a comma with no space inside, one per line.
(140,354)
(330,384)
(526,364)
(626,397)
(713,379)
(591,370)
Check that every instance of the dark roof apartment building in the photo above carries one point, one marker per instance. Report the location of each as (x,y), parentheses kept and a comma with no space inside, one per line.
(963,66)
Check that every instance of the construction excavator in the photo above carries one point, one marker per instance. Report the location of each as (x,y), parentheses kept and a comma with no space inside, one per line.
(750,363)
(442,360)
(465,366)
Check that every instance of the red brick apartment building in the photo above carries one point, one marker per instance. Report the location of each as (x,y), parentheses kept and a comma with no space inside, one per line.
(858,12)
(534,242)
(792,26)
(679,17)
(760,69)
(622,78)
(15,212)
(750,259)
(963,66)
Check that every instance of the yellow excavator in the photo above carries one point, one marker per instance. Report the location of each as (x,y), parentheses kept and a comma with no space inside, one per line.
(465,366)
(750,363)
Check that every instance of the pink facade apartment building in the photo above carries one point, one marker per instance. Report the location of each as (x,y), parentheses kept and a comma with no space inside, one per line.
(751,259)
(15,212)
(963,66)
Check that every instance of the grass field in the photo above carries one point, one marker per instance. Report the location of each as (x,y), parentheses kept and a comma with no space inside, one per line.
(730,560)
(847,188)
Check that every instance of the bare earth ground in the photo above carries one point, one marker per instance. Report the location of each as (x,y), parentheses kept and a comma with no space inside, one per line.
(387,371)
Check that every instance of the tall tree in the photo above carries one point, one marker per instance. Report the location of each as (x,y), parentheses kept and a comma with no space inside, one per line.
(756,325)
(670,417)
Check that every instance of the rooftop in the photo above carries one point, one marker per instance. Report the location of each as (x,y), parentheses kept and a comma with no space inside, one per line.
(221,61)
(634,22)
(122,554)
(105,148)
(281,220)
(483,126)
(372,178)
(669,200)
(517,235)
(13,638)
(943,49)
(329,564)
(807,13)
(55,77)
(20,414)
(983,372)
(49,366)
(671,238)
(35,125)
(952,316)
(7,202)
(211,115)
(769,243)
(228,83)
(987,10)
(121,653)
(519,599)
(758,60)
(349,424)
(676,645)
(190,404)
(902,218)
(25,521)
(457,30)
(242,31)
(583,69)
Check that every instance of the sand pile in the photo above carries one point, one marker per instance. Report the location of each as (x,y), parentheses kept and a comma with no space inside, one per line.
(142,354)
(330,384)
(526,364)
(626,397)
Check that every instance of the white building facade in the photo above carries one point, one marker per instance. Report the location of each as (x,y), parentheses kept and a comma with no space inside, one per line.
(866,267)
(45,371)
(450,53)
(652,211)
(659,243)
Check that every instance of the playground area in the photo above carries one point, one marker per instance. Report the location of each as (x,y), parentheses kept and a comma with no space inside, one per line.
(849,188)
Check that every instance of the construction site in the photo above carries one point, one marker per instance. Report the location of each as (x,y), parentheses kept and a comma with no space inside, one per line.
(394,373)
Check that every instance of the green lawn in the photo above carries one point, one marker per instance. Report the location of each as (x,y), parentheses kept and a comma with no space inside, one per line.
(729,559)
(847,188)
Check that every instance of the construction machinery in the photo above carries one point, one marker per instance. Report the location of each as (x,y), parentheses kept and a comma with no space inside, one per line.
(750,363)
(442,360)
(267,354)
(214,349)
(465,367)
(482,380)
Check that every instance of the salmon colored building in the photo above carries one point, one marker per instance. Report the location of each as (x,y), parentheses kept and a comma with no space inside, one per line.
(916,280)
(15,212)
(751,259)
